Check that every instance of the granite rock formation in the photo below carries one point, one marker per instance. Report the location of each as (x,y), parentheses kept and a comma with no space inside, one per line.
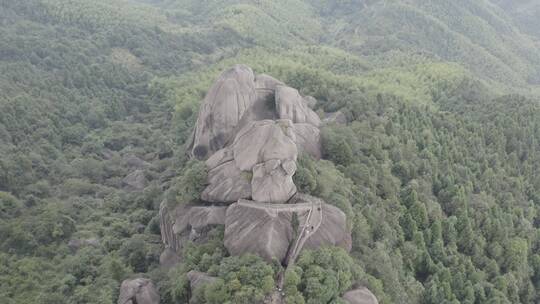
(138,291)
(250,132)
(225,103)
(360,296)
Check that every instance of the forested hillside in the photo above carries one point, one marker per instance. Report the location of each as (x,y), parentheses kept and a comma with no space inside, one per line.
(437,167)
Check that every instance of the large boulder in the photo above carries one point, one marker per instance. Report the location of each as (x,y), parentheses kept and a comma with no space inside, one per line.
(135,181)
(308,139)
(332,230)
(186,223)
(260,229)
(223,107)
(291,105)
(272,181)
(360,296)
(264,140)
(227,184)
(199,279)
(198,217)
(259,164)
(335,118)
(138,291)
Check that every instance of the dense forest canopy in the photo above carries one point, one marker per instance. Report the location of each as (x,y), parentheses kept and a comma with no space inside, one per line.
(437,168)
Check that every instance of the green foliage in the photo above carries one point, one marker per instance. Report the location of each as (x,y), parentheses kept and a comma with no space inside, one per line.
(192,182)
(10,206)
(436,168)
(321,275)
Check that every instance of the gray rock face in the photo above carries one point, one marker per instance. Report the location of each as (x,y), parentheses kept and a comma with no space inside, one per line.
(250,130)
(135,181)
(225,103)
(267,229)
(187,222)
(308,140)
(360,296)
(336,118)
(258,229)
(138,291)
(259,164)
(333,230)
(264,140)
(290,105)
(198,217)
(266,82)
(133,161)
(310,101)
(227,184)
(76,244)
(272,181)
(198,279)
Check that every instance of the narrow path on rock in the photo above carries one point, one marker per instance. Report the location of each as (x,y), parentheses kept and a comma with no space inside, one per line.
(311,225)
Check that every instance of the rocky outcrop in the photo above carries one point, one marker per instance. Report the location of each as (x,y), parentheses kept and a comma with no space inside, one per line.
(360,296)
(260,229)
(268,230)
(76,244)
(250,130)
(138,291)
(291,105)
(308,139)
(335,118)
(227,183)
(264,140)
(223,107)
(135,181)
(272,181)
(186,223)
(199,279)
(259,164)
(332,228)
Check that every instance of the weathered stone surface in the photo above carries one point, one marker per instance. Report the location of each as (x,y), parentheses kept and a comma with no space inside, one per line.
(272,181)
(135,181)
(231,169)
(266,82)
(335,117)
(225,103)
(333,230)
(198,279)
(360,296)
(310,101)
(198,217)
(135,162)
(264,140)
(76,244)
(308,139)
(187,222)
(290,105)
(166,223)
(259,229)
(227,184)
(138,291)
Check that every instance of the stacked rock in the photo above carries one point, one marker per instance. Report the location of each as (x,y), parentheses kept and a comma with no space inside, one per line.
(250,131)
